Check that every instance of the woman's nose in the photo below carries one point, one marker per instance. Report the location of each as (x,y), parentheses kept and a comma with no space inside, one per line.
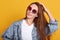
(30,11)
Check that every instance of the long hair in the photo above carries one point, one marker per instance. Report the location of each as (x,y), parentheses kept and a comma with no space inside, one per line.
(40,22)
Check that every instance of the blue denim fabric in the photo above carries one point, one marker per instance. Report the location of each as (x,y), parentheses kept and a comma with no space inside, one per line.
(14,31)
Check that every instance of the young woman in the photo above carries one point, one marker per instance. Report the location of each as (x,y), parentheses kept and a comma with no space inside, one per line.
(34,26)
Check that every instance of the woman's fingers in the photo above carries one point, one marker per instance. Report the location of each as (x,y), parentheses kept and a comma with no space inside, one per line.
(45,9)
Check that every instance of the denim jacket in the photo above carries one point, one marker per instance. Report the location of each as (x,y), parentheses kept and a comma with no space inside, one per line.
(14,31)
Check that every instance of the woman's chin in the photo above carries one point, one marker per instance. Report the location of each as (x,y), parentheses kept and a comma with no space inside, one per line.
(28,17)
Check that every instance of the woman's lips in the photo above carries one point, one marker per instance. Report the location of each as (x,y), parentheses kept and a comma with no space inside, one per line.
(29,14)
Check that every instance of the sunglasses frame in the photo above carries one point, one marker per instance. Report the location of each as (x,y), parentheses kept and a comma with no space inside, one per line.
(33,11)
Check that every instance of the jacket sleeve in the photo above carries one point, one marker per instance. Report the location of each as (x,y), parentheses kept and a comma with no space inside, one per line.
(52,27)
(8,34)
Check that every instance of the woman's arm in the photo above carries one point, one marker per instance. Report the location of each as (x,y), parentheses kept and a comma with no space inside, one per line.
(53,23)
(49,14)
(8,34)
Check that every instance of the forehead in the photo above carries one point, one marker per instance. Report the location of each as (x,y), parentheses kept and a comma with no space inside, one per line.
(34,6)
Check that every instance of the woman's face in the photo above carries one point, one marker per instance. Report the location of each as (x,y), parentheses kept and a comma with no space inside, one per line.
(32,11)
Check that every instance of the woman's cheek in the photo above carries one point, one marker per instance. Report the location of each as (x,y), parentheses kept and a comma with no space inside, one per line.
(30,15)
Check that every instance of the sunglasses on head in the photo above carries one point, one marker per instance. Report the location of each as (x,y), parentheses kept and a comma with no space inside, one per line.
(33,11)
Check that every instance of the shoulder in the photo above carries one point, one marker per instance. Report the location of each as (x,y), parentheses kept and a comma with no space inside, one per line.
(18,22)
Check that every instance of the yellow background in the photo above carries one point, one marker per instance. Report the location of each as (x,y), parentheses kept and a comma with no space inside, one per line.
(12,10)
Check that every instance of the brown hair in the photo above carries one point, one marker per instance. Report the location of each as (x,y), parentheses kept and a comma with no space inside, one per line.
(40,22)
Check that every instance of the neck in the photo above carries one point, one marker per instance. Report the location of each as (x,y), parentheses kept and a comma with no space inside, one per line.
(29,21)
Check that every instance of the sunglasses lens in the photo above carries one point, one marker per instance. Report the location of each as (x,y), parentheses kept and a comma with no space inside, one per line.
(34,11)
(29,8)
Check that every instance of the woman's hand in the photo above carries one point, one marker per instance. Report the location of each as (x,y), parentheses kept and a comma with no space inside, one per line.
(45,9)
(48,13)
